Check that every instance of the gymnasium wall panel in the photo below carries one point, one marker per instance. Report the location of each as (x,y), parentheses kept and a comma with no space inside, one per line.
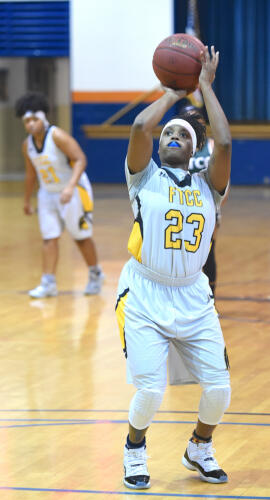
(112,44)
(34,29)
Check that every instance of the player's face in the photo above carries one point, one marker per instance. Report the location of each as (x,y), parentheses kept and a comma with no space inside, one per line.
(33,125)
(175,147)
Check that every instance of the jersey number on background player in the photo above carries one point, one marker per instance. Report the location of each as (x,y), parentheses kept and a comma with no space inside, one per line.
(48,175)
(176,228)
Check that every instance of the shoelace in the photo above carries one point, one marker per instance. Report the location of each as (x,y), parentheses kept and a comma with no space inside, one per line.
(206,454)
(95,275)
(136,463)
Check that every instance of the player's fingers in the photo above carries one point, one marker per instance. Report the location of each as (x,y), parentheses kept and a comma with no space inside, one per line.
(164,88)
(206,53)
(181,93)
(213,53)
(203,54)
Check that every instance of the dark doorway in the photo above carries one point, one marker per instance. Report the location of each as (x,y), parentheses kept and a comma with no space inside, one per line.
(41,78)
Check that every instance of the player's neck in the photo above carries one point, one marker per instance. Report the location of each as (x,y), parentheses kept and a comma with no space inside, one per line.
(39,138)
(176,165)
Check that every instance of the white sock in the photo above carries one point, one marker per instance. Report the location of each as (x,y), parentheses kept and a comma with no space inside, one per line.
(95,269)
(49,278)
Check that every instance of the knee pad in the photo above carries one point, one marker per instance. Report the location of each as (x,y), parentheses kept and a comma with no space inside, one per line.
(143,407)
(213,404)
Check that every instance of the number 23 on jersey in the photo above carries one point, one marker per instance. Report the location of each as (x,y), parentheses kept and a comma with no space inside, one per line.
(172,232)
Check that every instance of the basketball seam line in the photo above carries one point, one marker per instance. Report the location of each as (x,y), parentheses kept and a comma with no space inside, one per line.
(179,51)
(173,72)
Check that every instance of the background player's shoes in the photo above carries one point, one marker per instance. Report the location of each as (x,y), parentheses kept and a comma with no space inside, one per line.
(200,457)
(96,278)
(136,475)
(43,290)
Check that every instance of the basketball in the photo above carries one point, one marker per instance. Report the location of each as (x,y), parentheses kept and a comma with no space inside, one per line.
(176,61)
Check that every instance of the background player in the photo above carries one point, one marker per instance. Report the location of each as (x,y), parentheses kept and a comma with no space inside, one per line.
(199,163)
(163,296)
(65,195)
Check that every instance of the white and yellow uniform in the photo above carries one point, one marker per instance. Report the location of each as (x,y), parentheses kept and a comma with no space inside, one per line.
(176,368)
(54,172)
(163,295)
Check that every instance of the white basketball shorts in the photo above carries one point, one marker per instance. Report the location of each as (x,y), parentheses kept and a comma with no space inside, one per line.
(75,216)
(151,315)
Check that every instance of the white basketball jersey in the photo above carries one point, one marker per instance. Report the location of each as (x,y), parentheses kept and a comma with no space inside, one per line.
(51,164)
(173,223)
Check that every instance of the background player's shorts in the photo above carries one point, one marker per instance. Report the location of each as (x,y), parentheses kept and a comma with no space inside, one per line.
(75,216)
(151,315)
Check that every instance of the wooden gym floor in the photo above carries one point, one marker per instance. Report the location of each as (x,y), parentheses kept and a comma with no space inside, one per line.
(64,400)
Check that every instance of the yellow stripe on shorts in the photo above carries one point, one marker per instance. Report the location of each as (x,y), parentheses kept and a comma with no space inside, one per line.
(120,316)
(136,236)
(87,202)
(135,242)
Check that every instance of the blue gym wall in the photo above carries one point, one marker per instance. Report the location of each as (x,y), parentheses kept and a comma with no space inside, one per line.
(250,158)
(34,29)
(239,29)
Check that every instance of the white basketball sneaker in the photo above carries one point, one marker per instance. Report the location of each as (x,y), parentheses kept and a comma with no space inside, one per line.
(45,289)
(136,475)
(200,457)
(96,278)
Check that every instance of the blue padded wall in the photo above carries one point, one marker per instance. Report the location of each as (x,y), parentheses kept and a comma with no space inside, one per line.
(239,29)
(250,158)
(34,29)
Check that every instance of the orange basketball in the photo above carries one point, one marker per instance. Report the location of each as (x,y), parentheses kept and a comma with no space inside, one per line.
(176,61)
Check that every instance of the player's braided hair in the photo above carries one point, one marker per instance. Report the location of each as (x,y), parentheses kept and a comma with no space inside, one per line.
(196,120)
(32,101)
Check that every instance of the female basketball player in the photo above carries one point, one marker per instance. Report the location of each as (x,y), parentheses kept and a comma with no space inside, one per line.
(163,295)
(64,196)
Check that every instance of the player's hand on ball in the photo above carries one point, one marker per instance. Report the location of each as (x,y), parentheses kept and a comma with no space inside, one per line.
(209,65)
(177,93)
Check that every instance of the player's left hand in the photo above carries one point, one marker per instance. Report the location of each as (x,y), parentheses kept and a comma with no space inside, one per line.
(66,194)
(209,65)
(180,94)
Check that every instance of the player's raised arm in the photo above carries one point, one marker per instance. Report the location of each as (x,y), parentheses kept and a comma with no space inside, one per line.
(141,137)
(220,160)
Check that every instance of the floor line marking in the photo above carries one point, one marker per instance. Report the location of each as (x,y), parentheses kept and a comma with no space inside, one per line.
(109,421)
(125,411)
(137,493)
